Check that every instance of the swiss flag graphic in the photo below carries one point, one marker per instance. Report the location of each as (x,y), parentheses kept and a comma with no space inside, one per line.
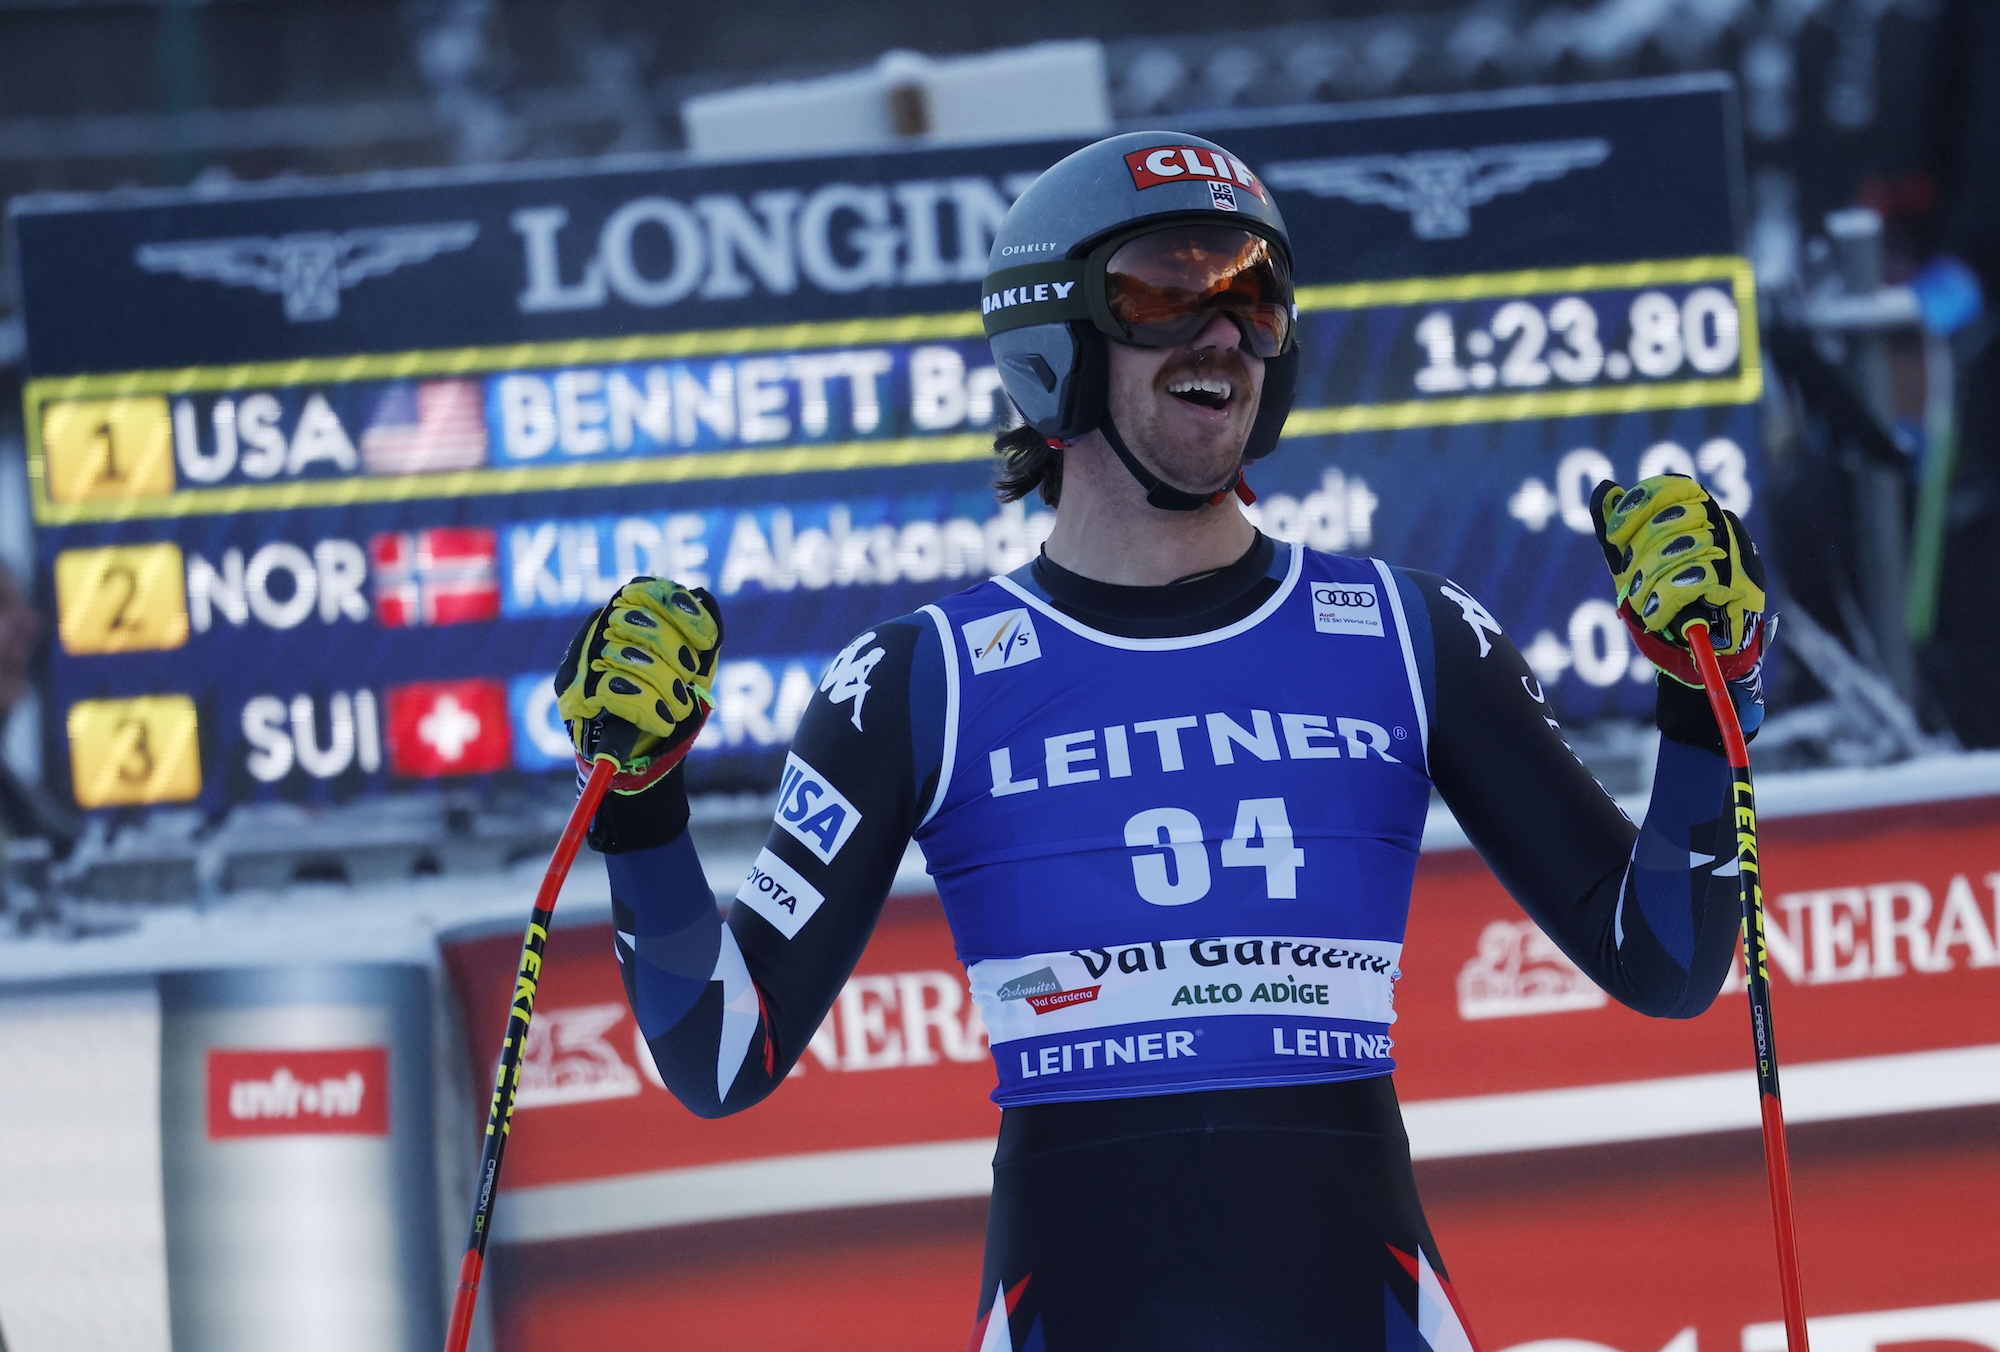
(445,575)
(448,728)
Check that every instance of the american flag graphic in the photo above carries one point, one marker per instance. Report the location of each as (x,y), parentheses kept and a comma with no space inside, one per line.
(445,575)
(419,428)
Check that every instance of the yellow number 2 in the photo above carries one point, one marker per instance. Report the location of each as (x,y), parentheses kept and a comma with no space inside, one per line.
(124,752)
(127,598)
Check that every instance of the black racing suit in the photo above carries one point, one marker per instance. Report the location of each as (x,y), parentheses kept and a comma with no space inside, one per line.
(1249,1218)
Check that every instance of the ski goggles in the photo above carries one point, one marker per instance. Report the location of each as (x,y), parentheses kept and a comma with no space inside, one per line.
(1162,288)
(1158,288)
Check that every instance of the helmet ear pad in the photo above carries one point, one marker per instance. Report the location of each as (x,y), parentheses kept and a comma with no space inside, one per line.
(1055,375)
(1281,384)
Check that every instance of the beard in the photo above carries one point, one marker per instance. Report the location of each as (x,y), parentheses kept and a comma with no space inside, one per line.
(1192,447)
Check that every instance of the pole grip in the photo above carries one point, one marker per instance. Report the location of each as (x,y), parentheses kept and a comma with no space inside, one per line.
(613,738)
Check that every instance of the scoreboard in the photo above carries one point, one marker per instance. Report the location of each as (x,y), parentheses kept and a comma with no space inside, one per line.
(326,474)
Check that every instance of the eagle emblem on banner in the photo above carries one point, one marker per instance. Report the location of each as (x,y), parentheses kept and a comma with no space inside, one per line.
(311,268)
(1439,188)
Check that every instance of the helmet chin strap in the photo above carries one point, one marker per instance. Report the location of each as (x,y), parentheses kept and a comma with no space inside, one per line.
(1164,495)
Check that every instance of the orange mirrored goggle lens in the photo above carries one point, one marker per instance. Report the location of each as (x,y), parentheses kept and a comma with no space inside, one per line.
(1165,287)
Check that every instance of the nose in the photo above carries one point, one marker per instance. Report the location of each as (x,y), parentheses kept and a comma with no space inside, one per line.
(1221,331)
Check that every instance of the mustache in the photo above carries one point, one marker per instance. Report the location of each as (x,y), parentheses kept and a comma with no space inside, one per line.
(1227,363)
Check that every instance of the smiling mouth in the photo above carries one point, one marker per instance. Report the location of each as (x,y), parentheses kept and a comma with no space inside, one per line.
(1208,392)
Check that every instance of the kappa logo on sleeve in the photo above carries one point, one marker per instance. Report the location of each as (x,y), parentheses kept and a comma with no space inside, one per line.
(1347,608)
(775,891)
(1477,617)
(847,675)
(816,814)
(1004,640)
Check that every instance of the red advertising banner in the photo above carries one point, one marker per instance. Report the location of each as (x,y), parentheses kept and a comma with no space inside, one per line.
(900,1059)
(339,1092)
(1881,930)
(1592,1175)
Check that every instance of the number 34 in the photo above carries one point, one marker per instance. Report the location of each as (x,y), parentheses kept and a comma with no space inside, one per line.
(1174,870)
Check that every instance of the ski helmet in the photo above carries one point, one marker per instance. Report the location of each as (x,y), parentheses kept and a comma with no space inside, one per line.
(1048,310)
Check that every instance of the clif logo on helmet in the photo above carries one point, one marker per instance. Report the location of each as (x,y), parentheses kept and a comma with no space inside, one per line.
(1177,164)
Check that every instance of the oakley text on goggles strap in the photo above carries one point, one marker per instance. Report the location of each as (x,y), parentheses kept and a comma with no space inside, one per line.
(1035,293)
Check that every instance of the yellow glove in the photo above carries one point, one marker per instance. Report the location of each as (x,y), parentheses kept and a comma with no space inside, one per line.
(1676,556)
(647,659)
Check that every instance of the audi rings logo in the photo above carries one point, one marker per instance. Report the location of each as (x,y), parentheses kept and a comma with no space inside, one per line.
(1343,597)
(1346,608)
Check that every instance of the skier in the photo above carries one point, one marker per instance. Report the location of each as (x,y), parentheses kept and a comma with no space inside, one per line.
(1170,778)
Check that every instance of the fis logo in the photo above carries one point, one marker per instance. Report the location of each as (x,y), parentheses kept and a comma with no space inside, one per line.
(1176,164)
(1346,608)
(445,575)
(1004,640)
(775,891)
(813,811)
(448,728)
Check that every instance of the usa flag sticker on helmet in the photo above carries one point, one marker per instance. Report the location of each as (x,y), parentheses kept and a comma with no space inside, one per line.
(1181,164)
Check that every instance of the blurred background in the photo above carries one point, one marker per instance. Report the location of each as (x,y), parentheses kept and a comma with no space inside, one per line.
(254,936)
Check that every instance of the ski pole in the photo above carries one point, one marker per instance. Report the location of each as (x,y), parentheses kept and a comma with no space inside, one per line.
(616,742)
(1777,1165)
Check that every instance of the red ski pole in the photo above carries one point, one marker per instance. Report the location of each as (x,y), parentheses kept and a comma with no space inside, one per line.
(507,1079)
(1777,1165)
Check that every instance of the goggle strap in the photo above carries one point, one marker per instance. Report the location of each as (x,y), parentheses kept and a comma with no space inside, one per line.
(1034,293)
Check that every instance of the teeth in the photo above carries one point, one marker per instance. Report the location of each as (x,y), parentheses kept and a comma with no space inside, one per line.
(1200,385)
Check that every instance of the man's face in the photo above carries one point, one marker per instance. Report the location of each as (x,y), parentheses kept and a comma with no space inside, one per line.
(1186,411)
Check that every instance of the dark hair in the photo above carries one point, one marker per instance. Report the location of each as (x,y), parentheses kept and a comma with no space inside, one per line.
(1028,464)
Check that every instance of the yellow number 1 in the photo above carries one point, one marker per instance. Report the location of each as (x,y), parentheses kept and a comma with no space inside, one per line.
(108,448)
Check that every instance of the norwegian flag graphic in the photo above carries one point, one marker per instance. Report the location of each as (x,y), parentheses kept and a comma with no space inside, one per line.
(445,575)
(448,728)
(436,425)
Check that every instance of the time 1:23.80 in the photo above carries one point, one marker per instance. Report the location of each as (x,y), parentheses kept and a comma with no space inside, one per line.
(1531,346)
